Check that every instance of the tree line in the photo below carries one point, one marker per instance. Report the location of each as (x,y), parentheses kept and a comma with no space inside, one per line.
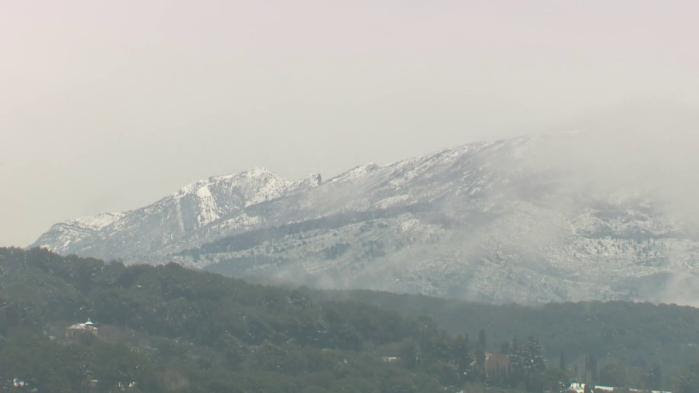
(170,329)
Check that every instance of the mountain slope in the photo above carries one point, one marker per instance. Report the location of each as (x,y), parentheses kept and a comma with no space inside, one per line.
(496,222)
(170,329)
(213,205)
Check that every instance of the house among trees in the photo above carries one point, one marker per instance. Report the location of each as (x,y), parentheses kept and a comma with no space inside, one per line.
(390,359)
(497,365)
(582,388)
(81,329)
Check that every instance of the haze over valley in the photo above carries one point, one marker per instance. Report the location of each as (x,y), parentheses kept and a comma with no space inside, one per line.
(366,196)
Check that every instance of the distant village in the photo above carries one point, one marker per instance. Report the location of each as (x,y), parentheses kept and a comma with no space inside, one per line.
(590,388)
(499,365)
(77,331)
(494,366)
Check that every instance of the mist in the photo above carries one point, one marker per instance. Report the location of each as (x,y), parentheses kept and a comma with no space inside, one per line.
(105,109)
(639,155)
(323,196)
(639,150)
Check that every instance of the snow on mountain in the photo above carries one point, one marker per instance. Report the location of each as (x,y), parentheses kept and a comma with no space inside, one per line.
(96,222)
(495,221)
(170,222)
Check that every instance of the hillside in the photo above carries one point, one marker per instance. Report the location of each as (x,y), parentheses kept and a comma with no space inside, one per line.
(169,329)
(173,329)
(634,334)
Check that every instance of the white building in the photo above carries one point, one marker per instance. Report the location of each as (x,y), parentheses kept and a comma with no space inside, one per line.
(87,327)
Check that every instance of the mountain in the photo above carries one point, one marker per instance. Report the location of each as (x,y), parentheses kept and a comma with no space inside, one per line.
(515,220)
(197,213)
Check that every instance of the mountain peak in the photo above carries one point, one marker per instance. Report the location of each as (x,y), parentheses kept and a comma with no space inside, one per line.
(98,221)
(259,175)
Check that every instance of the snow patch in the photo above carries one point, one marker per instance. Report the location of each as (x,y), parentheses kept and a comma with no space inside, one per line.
(98,221)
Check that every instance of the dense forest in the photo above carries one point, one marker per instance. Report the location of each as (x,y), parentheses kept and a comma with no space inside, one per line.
(170,329)
(630,342)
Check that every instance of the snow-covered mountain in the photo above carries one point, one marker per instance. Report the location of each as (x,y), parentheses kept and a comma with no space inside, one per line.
(197,213)
(492,221)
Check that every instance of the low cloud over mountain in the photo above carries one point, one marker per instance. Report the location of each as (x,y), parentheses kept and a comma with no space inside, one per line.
(574,216)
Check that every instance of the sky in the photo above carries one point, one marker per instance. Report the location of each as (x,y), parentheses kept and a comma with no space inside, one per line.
(110,105)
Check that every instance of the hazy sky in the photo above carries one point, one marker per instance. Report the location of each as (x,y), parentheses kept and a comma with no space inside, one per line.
(109,105)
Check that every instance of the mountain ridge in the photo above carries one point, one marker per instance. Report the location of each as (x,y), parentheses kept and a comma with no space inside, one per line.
(489,221)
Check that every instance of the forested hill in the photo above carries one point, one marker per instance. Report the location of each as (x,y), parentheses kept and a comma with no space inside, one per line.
(170,329)
(630,336)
